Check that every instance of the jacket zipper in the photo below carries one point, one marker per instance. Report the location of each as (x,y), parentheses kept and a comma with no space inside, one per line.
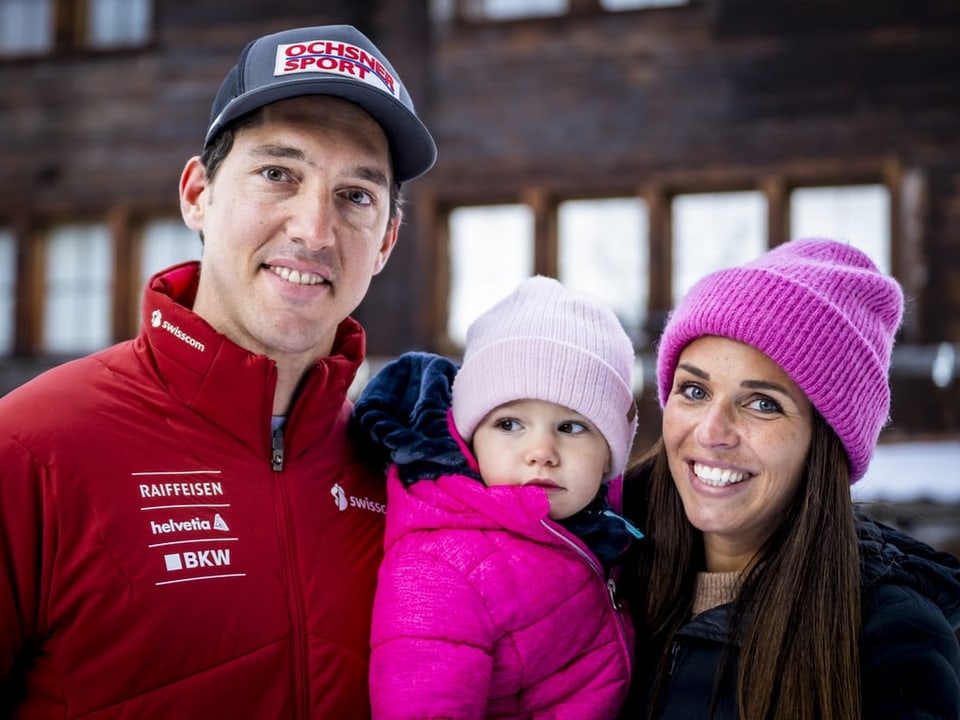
(300,676)
(674,652)
(611,590)
(276,453)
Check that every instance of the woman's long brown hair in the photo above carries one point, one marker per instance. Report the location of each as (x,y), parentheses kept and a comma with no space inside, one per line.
(797,614)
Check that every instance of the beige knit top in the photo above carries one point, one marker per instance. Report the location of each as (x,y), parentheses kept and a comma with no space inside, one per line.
(715,589)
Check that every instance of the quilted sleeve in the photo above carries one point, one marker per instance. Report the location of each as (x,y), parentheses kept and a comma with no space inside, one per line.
(431,640)
(910,659)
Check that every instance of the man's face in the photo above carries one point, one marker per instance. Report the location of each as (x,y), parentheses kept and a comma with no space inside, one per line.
(295,224)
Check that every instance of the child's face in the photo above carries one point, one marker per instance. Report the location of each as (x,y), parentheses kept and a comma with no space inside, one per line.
(542,444)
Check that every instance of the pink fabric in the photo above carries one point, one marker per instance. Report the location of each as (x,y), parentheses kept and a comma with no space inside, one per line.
(487,609)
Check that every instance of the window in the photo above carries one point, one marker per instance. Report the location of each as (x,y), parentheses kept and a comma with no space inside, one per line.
(603,251)
(859,214)
(79,272)
(30,27)
(166,242)
(511,9)
(603,246)
(619,5)
(8,289)
(491,252)
(714,231)
(26,27)
(443,11)
(118,23)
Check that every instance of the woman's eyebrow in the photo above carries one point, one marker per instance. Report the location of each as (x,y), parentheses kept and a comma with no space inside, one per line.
(694,370)
(765,385)
(769,386)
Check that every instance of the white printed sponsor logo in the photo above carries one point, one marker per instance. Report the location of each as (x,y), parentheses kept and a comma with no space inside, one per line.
(156,320)
(337,58)
(193,559)
(193,525)
(343,501)
(339,497)
(368,504)
(181,489)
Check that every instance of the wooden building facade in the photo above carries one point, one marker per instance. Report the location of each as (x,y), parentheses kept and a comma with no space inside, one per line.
(588,102)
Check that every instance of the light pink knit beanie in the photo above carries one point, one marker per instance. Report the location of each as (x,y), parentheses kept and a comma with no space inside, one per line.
(823,312)
(545,342)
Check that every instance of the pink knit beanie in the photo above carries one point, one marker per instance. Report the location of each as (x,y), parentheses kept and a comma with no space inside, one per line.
(544,342)
(823,312)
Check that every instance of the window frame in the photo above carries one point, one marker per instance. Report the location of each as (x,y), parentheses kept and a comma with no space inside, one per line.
(658,194)
(70,32)
(471,12)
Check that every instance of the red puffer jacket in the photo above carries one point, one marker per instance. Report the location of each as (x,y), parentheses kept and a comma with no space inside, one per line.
(160,557)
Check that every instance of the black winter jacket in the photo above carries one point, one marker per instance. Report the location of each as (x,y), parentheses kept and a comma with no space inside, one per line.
(910,659)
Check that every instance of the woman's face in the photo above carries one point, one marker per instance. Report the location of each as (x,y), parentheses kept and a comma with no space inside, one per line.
(736,430)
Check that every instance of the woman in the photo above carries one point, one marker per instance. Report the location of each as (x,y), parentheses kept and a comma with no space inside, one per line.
(762,593)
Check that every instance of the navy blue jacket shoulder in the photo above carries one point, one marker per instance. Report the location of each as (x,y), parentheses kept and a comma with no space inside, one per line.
(911,612)
(910,658)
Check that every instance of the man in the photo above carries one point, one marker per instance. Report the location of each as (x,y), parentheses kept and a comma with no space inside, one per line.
(185,531)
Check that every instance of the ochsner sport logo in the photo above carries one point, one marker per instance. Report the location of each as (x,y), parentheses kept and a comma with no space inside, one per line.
(337,58)
(156,319)
(343,501)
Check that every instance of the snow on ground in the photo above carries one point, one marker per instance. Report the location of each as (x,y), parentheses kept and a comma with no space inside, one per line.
(912,471)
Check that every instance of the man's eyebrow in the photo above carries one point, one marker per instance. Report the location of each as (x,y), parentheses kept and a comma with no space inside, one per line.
(279,151)
(373,175)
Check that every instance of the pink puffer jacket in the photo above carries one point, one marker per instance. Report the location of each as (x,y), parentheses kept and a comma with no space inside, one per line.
(485,608)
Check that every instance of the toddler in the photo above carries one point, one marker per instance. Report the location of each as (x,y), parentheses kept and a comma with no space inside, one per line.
(496,596)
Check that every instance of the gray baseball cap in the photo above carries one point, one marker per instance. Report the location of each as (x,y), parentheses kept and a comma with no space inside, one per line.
(334,60)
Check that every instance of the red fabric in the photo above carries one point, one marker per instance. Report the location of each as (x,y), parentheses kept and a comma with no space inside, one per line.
(153,564)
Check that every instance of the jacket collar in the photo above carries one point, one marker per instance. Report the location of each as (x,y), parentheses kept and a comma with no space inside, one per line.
(230,386)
